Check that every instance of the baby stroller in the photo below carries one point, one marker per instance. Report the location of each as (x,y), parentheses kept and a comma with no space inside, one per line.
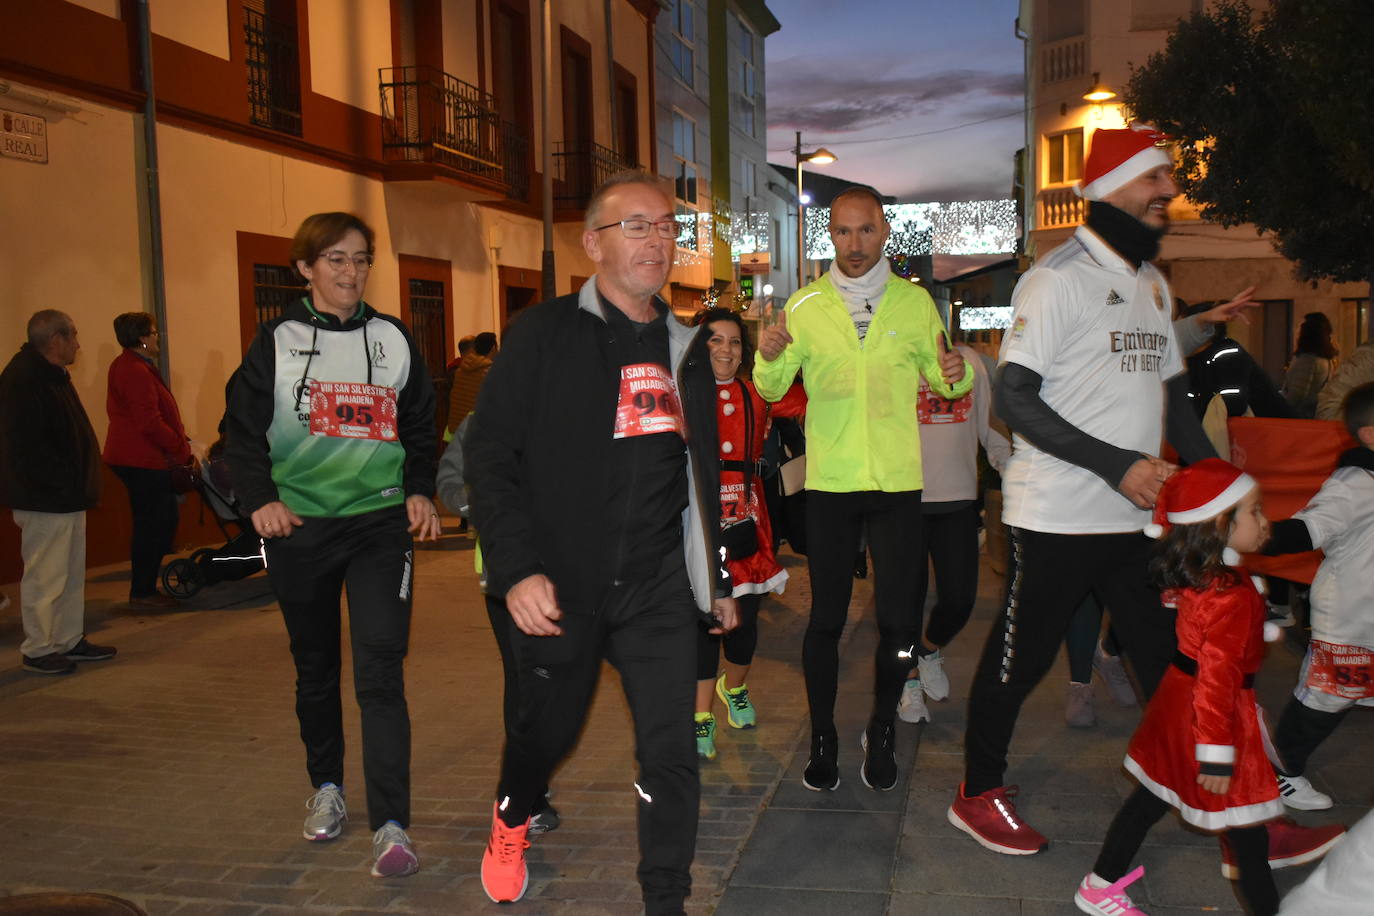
(240,557)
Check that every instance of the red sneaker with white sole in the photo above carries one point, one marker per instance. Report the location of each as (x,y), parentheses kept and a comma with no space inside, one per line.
(1290,843)
(991,819)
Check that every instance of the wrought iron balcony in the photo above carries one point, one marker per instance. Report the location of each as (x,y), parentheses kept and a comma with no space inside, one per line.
(429,116)
(579,171)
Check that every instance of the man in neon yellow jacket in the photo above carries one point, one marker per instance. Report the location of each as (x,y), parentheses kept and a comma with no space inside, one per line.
(862,339)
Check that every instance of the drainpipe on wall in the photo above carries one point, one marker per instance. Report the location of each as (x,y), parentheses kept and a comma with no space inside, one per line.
(625,154)
(153,201)
(546,90)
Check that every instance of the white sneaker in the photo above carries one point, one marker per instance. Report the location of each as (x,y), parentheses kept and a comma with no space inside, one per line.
(1113,673)
(912,708)
(1297,792)
(933,678)
(327,813)
(392,852)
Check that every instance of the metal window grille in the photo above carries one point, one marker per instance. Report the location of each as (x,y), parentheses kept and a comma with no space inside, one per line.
(275,286)
(274,80)
(427,323)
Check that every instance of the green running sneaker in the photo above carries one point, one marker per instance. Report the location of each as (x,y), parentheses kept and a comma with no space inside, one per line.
(706,735)
(739,709)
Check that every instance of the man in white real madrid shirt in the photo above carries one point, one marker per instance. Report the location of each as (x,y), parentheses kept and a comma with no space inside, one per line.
(1082,384)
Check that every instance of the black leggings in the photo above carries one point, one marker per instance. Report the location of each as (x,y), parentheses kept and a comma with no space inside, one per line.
(834,522)
(951,540)
(1143,809)
(1299,731)
(1080,642)
(740,642)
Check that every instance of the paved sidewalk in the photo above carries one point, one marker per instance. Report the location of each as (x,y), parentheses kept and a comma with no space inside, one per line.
(173,776)
(859,852)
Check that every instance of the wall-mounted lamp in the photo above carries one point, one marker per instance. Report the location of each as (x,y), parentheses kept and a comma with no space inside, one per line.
(1098,92)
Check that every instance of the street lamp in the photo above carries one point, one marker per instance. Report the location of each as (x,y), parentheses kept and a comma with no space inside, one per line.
(821,156)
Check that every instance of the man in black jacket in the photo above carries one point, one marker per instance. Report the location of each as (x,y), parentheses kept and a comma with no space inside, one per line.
(593,465)
(49,476)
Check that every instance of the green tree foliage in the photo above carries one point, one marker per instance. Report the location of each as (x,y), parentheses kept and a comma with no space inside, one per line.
(1274,111)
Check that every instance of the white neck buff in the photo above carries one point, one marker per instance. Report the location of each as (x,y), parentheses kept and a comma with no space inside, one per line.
(862,294)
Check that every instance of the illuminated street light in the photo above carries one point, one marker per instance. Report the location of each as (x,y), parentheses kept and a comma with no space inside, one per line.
(821,156)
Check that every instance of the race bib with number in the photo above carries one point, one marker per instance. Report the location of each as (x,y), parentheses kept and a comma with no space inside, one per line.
(352,410)
(1343,671)
(733,506)
(931,408)
(648,402)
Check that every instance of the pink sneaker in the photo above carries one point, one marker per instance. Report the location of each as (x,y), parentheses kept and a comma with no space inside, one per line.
(1110,900)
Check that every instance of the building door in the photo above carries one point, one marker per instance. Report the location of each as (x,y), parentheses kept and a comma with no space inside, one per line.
(577,118)
(519,289)
(427,309)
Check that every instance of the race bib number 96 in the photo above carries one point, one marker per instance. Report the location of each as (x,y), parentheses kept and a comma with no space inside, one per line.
(648,402)
(351,410)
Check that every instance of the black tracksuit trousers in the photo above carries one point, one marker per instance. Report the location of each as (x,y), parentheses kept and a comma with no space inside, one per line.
(371,556)
(647,630)
(1048,575)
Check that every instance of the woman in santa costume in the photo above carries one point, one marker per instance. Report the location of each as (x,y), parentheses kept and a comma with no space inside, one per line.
(1201,745)
(742,418)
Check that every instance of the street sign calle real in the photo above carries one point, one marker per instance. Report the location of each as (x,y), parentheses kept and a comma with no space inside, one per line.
(23,136)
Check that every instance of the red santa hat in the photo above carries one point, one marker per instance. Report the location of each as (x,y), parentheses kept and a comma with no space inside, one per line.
(1117,156)
(1197,493)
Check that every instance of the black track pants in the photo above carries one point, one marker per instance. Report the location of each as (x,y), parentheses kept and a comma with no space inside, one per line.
(1048,576)
(647,630)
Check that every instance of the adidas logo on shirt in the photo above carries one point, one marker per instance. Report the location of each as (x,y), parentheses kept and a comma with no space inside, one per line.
(1114,298)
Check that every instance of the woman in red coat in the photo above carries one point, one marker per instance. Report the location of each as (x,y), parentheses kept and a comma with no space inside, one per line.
(144,442)
(742,419)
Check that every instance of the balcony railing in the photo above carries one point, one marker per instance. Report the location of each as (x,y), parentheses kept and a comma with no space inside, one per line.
(274,72)
(1063,60)
(1059,207)
(580,171)
(429,116)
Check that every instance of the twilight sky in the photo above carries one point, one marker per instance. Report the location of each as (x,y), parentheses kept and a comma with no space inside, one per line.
(869,70)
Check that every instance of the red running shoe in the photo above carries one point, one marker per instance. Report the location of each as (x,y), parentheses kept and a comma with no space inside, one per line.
(1290,843)
(504,875)
(991,819)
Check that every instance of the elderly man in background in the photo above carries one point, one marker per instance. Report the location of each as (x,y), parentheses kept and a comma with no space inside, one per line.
(50,476)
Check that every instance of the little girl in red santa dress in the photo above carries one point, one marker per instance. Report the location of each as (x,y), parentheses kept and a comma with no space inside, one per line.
(1201,745)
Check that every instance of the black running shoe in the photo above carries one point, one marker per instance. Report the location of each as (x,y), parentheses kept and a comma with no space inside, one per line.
(880,762)
(822,770)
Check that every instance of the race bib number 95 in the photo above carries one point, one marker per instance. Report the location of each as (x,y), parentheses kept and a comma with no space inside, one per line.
(1343,671)
(351,410)
(648,402)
